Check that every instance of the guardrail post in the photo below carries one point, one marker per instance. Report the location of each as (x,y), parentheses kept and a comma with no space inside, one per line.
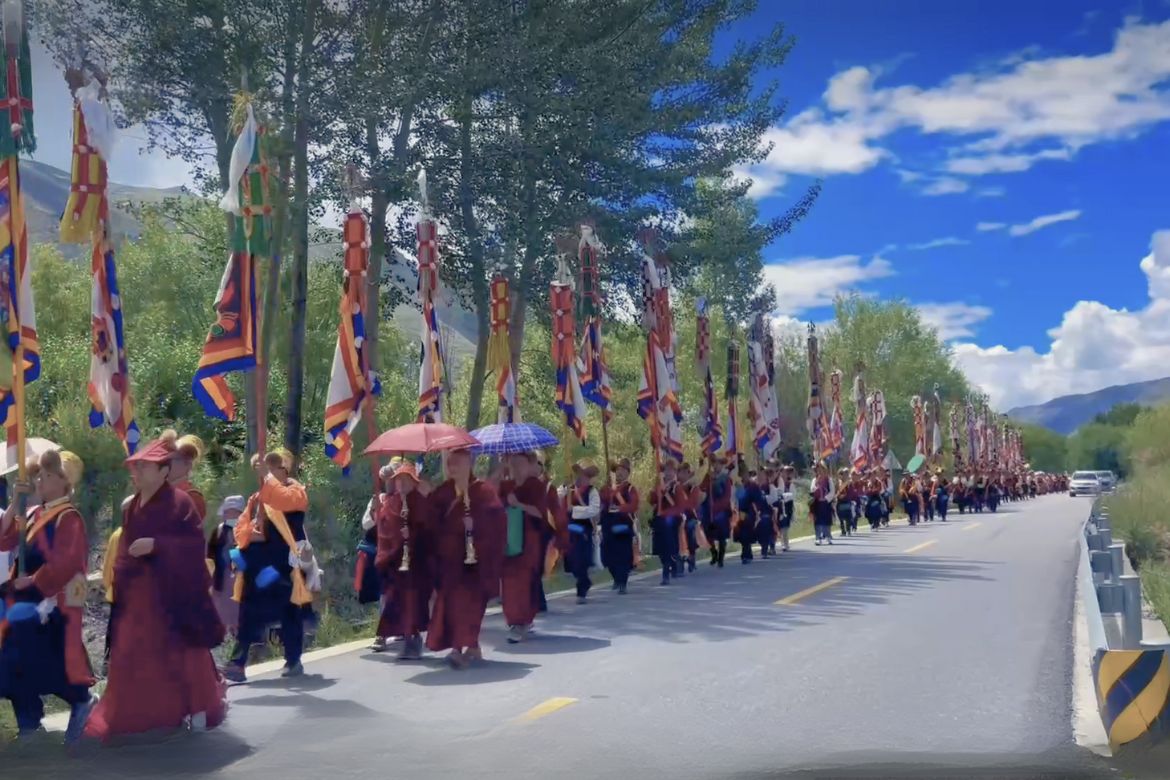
(1131,586)
(1106,534)
(1101,564)
(1095,540)
(1111,597)
(1117,552)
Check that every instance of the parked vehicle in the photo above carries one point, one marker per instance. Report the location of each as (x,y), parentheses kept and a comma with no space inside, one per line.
(1108,481)
(1084,483)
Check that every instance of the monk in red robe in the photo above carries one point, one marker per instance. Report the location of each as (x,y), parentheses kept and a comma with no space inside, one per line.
(43,653)
(188,451)
(470,528)
(404,560)
(524,494)
(162,675)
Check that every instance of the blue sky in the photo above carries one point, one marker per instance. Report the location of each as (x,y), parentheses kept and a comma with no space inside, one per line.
(1004,165)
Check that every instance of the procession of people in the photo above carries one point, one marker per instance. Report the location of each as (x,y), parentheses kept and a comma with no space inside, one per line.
(440,540)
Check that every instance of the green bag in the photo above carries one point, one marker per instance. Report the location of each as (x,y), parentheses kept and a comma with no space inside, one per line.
(515,532)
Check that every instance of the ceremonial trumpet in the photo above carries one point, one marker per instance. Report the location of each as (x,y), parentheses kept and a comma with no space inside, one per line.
(469,558)
(405,565)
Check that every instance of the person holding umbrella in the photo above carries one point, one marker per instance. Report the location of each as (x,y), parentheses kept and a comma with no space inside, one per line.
(404,560)
(526,499)
(470,530)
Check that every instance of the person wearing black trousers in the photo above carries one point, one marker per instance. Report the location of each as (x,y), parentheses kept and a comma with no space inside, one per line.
(715,509)
(619,523)
(754,518)
(668,502)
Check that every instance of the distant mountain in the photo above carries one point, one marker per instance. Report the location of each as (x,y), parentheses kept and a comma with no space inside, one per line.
(46,191)
(1069,412)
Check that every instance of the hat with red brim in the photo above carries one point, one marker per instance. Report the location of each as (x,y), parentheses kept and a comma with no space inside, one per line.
(158,451)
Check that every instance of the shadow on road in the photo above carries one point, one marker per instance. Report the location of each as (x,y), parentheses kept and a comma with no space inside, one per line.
(739,600)
(487,671)
(187,755)
(553,644)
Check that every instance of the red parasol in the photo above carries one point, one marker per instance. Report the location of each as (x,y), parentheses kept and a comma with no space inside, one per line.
(422,438)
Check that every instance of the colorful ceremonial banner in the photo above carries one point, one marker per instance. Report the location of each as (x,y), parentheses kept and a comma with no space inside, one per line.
(711,435)
(430,373)
(956,444)
(232,341)
(86,220)
(816,422)
(935,443)
(16,297)
(351,381)
(877,435)
(657,398)
(836,419)
(595,385)
(972,436)
(919,425)
(564,337)
(731,449)
(499,357)
(859,446)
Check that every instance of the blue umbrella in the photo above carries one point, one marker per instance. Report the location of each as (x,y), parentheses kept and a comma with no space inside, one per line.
(509,438)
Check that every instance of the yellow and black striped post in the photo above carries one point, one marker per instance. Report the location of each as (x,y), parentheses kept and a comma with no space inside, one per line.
(1133,693)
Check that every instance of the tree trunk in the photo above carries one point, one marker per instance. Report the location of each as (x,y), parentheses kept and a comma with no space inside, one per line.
(293,438)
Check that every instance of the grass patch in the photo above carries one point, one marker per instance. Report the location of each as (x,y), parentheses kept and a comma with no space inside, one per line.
(1138,514)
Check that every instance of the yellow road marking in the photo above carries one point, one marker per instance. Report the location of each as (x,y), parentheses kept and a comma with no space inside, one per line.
(796,597)
(972,526)
(922,546)
(546,708)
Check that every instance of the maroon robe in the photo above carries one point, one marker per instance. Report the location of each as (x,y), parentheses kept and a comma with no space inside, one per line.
(520,598)
(406,595)
(462,591)
(161,669)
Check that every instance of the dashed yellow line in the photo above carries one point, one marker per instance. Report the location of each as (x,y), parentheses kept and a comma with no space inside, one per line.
(971,527)
(796,597)
(922,546)
(546,708)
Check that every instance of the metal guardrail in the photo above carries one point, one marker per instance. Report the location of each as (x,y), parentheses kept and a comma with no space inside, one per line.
(1131,677)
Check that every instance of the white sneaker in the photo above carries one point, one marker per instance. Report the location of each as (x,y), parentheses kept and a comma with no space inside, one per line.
(199,721)
(515,635)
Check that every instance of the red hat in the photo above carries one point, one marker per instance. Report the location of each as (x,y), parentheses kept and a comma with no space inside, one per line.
(159,451)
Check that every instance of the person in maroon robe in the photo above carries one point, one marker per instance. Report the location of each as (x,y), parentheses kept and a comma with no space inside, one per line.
(470,530)
(405,538)
(161,673)
(527,494)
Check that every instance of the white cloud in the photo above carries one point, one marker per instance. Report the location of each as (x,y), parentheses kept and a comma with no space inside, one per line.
(1003,163)
(990,192)
(946,185)
(1094,346)
(1044,221)
(953,320)
(987,227)
(1004,118)
(811,282)
(939,242)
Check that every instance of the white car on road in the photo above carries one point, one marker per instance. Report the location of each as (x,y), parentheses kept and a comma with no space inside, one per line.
(1084,483)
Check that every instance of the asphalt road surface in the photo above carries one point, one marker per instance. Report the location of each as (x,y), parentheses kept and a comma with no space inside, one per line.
(937,651)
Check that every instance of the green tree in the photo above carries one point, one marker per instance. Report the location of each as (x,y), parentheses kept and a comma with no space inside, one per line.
(1121,415)
(1046,450)
(1099,447)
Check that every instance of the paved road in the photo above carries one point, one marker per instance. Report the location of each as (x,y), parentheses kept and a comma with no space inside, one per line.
(924,650)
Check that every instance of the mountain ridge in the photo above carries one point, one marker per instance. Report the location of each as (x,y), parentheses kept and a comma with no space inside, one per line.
(1066,413)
